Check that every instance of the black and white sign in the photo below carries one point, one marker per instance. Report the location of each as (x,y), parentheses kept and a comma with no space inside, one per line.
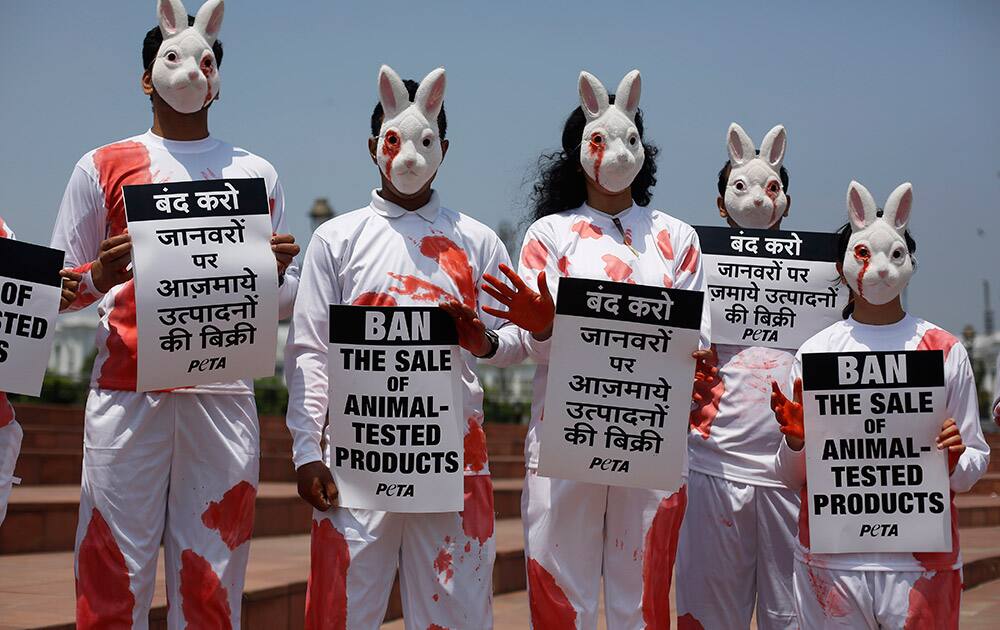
(877,481)
(395,430)
(770,288)
(206,282)
(30,288)
(619,385)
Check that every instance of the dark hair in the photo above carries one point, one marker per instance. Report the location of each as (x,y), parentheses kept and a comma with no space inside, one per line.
(154,38)
(561,184)
(728,167)
(411,88)
(844,237)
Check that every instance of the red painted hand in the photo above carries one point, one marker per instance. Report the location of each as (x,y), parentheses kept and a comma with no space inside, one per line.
(471,330)
(527,309)
(950,438)
(705,375)
(789,414)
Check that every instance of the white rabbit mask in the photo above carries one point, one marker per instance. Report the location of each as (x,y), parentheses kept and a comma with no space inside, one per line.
(877,264)
(409,143)
(611,150)
(754,196)
(185,72)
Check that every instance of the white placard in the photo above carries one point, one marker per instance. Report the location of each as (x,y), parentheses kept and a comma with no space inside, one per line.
(876,479)
(395,410)
(618,394)
(206,282)
(30,288)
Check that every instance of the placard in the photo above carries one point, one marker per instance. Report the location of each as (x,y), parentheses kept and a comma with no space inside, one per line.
(618,394)
(395,430)
(770,288)
(877,481)
(30,289)
(206,282)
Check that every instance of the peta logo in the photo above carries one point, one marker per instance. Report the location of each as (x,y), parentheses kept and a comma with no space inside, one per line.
(394,489)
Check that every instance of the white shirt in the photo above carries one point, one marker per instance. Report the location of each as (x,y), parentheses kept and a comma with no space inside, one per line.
(386,255)
(910,333)
(92,210)
(586,243)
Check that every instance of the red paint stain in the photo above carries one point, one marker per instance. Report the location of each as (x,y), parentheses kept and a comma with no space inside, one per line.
(586,229)
(373,298)
(233,515)
(83,297)
(804,517)
(117,165)
(596,150)
(709,387)
(943,560)
(442,564)
(326,594)
(937,339)
(690,262)
(477,515)
(616,268)
(563,265)
(270,205)
(475,447)
(119,370)
(454,262)
(550,608)
(468,547)
(832,601)
(434,626)
(658,560)
(862,255)
(204,600)
(4,232)
(727,522)
(689,622)
(668,281)
(6,411)
(390,149)
(534,255)
(435,597)
(103,598)
(420,290)
(663,242)
(934,602)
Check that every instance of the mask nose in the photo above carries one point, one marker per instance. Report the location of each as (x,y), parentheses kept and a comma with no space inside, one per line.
(883,273)
(758,202)
(193,75)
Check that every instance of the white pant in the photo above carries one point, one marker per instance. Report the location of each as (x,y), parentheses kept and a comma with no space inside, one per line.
(736,551)
(176,467)
(575,532)
(874,600)
(10,446)
(445,563)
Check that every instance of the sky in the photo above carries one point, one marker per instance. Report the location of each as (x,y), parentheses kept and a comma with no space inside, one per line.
(878,92)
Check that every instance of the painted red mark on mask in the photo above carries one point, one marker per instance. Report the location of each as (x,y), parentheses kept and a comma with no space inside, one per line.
(442,564)
(550,608)
(119,369)
(103,598)
(373,298)
(934,601)
(658,560)
(420,290)
(663,242)
(943,560)
(586,229)
(596,150)
(830,599)
(233,515)
(534,255)
(689,622)
(204,600)
(477,517)
(390,149)
(616,268)
(709,388)
(563,265)
(454,263)
(862,255)
(475,447)
(326,595)
(690,262)
(937,339)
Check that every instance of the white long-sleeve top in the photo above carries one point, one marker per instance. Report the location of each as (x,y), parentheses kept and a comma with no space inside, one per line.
(6,409)
(93,210)
(651,248)
(385,255)
(910,333)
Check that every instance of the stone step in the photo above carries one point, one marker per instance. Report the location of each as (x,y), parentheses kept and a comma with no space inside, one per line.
(989,484)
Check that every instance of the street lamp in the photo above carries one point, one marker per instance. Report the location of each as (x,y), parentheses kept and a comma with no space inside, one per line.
(320,212)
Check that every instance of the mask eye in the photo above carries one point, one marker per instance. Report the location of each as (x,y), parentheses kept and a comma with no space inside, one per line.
(897,254)
(861,252)
(597,139)
(171,56)
(773,188)
(391,138)
(632,140)
(739,185)
(206,63)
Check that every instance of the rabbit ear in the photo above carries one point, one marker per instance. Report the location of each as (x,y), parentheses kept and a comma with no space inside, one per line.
(173,17)
(391,92)
(209,20)
(627,95)
(772,149)
(593,96)
(430,94)
(861,206)
(897,208)
(740,145)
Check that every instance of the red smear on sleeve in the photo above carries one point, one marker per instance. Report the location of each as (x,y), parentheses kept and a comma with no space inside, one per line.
(477,517)
(711,389)
(658,560)
(829,598)
(390,151)
(475,447)
(534,255)
(586,229)
(563,265)
(103,598)
(326,594)
(233,515)
(616,268)
(373,298)
(943,560)
(550,608)
(689,622)
(454,263)
(690,262)
(937,339)
(934,602)
(442,564)
(120,164)
(668,281)
(663,242)
(204,599)
(804,517)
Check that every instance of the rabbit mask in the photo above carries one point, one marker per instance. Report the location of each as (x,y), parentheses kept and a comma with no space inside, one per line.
(409,144)
(755,197)
(611,150)
(877,264)
(185,73)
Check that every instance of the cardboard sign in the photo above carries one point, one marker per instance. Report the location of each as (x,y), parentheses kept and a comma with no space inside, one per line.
(619,384)
(206,282)
(30,288)
(770,288)
(876,479)
(395,431)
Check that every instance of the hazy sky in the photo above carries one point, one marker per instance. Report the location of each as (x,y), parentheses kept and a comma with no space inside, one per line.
(880,92)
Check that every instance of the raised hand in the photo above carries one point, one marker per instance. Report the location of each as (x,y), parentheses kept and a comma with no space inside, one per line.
(112,265)
(285,250)
(789,414)
(950,438)
(471,330)
(526,309)
(70,285)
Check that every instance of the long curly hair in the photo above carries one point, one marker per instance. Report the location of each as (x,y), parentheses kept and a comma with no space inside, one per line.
(560,183)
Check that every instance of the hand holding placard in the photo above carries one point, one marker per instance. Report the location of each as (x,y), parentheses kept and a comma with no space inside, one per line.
(112,265)
(789,414)
(70,285)
(950,438)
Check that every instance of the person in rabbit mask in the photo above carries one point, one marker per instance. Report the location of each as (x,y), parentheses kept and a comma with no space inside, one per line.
(179,466)
(881,590)
(404,248)
(740,515)
(592,221)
